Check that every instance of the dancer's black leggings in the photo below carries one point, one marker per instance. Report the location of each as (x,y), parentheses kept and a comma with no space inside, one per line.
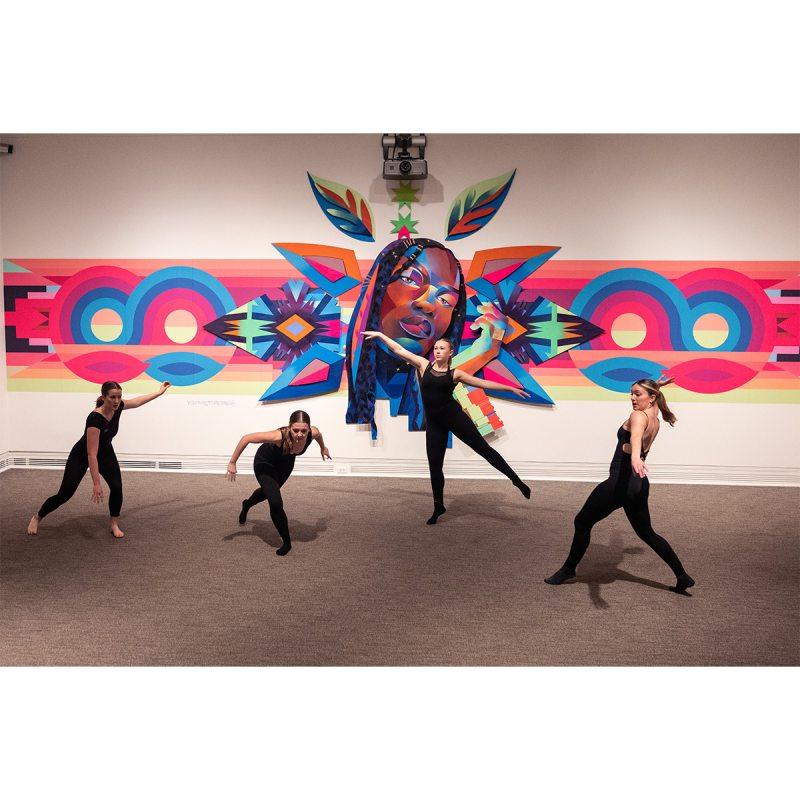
(454,419)
(270,490)
(627,491)
(77,464)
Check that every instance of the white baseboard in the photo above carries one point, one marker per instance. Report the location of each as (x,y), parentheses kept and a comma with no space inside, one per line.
(736,475)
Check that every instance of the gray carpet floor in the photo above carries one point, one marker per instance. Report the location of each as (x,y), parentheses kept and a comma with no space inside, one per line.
(368,583)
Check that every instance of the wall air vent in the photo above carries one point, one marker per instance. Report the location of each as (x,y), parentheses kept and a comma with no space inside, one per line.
(126,464)
(47,462)
(739,475)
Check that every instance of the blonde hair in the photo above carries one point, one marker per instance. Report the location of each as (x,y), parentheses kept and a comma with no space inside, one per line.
(654,390)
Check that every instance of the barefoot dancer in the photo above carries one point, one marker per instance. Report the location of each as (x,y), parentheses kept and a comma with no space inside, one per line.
(273,464)
(94,451)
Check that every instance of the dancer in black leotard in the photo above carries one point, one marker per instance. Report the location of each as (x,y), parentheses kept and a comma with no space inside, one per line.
(627,486)
(444,415)
(273,464)
(93,451)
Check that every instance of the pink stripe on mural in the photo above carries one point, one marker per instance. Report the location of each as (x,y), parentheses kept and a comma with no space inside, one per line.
(326,271)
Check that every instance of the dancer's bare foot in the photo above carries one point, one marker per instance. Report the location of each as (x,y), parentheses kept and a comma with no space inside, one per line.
(115,531)
(33,525)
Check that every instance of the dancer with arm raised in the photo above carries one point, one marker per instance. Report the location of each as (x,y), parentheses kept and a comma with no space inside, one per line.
(444,415)
(94,451)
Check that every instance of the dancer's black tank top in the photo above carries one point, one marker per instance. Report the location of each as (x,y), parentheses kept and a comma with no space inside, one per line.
(108,429)
(621,460)
(436,389)
(271,458)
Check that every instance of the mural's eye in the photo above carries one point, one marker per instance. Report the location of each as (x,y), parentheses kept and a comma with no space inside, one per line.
(445,302)
(411,277)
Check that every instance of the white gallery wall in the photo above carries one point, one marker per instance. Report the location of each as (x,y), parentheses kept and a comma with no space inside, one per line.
(597,197)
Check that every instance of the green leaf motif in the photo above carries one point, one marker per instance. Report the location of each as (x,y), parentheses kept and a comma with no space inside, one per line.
(345,208)
(476,205)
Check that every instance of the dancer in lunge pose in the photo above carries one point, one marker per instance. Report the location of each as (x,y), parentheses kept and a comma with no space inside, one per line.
(627,486)
(94,451)
(444,415)
(273,464)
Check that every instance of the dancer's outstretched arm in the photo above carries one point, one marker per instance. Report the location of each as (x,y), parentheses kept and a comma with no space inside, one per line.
(135,402)
(274,437)
(316,435)
(480,383)
(412,358)
(638,422)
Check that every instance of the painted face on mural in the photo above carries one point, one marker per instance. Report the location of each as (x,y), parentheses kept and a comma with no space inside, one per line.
(419,300)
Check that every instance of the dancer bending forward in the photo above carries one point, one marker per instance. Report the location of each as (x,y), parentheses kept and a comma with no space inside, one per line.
(273,464)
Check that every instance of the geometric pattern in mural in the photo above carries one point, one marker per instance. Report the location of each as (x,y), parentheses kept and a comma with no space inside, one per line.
(711,329)
(537,329)
(282,324)
(104,322)
(28,299)
(335,270)
(317,371)
(727,330)
(785,297)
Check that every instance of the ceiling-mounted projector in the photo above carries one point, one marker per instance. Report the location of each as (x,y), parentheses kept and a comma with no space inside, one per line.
(404,156)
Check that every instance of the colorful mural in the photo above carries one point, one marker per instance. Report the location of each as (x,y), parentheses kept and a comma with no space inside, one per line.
(732,329)
(477,205)
(344,208)
(291,328)
(416,292)
(727,331)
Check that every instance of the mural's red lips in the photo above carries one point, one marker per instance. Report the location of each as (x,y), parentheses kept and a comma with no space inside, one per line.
(418,327)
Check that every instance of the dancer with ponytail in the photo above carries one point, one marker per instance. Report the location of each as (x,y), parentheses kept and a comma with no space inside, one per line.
(94,451)
(627,486)
(444,415)
(273,464)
